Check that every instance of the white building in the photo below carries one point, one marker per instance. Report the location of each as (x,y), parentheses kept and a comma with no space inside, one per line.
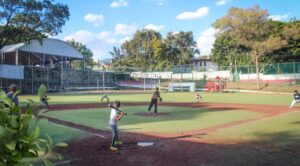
(204,63)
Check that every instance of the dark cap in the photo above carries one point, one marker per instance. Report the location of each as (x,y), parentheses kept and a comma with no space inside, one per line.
(117,104)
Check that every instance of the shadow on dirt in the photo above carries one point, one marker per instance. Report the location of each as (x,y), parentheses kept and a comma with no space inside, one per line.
(277,149)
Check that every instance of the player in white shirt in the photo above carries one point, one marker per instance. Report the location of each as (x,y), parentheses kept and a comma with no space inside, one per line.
(115,116)
(296,99)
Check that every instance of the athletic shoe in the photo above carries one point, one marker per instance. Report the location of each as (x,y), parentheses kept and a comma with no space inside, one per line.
(119,142)
(114,148)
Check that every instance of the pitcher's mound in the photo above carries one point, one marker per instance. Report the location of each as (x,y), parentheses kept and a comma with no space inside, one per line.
(152,114)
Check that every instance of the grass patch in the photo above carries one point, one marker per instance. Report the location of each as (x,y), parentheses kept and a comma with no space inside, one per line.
(180,119)
(60,133)
(245,98)
(281,128)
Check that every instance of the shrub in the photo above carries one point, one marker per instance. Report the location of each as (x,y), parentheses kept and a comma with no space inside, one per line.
(20,138)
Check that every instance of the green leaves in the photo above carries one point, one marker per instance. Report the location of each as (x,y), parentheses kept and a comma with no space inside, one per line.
(86,52)
(11,145)
(2,94)
(20,137)
(28,20)
(34,134)
(147,50)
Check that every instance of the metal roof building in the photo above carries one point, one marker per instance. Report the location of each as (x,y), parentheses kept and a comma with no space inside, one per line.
(37,52)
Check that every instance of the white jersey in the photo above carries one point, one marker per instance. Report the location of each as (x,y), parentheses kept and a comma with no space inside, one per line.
(113,116)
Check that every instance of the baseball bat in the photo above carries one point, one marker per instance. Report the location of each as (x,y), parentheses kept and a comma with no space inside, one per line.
(111,106)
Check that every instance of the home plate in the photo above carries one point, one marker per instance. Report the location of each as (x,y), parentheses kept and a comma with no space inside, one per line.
(143,144)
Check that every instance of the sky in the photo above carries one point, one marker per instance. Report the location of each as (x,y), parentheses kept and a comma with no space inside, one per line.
(103,24)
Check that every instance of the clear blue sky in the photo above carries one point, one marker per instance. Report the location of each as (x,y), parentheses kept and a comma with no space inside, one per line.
(102,24)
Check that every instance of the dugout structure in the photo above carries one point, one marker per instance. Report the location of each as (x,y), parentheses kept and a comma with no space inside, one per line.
(182,86)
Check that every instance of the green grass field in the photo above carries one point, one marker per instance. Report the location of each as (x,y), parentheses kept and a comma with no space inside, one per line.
(275,137)
(284,128)
(179,119)
(59,133)
(246,98)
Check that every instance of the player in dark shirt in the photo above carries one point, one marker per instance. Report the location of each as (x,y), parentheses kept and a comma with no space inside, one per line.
(296,99)
(12,89)
(155,97)
(44,101)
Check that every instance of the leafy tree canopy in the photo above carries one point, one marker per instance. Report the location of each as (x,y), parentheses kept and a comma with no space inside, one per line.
(24,20)
(148,50)
(86,52)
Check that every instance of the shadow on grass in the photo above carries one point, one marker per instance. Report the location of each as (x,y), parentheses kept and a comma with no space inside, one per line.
(297,122)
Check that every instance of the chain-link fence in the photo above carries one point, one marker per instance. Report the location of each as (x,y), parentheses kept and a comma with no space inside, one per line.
(282,75)
(66,79)
(58,80)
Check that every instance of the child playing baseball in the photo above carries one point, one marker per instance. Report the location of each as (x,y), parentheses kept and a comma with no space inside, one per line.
(44,101)
(198,98)
(115,116)
(12,89)
(104,97)
(296,99)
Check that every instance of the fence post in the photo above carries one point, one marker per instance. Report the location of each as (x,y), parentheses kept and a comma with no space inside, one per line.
(97,83)
(88,73)
(144,83)
(294,71)
(62,74)
(103,81)
(248,77)
(115,80)
(31,79)
(20,85)
(47,77)
(192,76)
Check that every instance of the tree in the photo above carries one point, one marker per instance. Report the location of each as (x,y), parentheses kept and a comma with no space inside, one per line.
(290,32)
(250,28)
(226,51)
(24,20)
(116,53)
(148,50)
(181,47)
(141,50)
(86,52)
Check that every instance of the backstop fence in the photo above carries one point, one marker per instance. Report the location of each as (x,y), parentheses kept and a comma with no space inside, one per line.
(59,79)
(29,78)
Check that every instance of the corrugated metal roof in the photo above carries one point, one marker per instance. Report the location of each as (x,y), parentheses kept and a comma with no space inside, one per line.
(46,46)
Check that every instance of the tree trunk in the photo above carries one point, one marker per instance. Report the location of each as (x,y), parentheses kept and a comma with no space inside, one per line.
(257,72)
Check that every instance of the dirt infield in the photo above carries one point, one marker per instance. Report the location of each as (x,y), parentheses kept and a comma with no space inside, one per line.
(186,148)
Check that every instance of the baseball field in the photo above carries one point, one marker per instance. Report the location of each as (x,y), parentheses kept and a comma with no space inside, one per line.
(223,129)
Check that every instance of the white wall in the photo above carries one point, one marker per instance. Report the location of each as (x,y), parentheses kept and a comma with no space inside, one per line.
(213,74)
(186,76)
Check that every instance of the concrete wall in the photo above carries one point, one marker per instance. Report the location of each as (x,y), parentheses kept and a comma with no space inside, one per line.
(185,76)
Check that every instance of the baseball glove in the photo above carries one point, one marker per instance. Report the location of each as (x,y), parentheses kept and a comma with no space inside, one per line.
(160,99)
